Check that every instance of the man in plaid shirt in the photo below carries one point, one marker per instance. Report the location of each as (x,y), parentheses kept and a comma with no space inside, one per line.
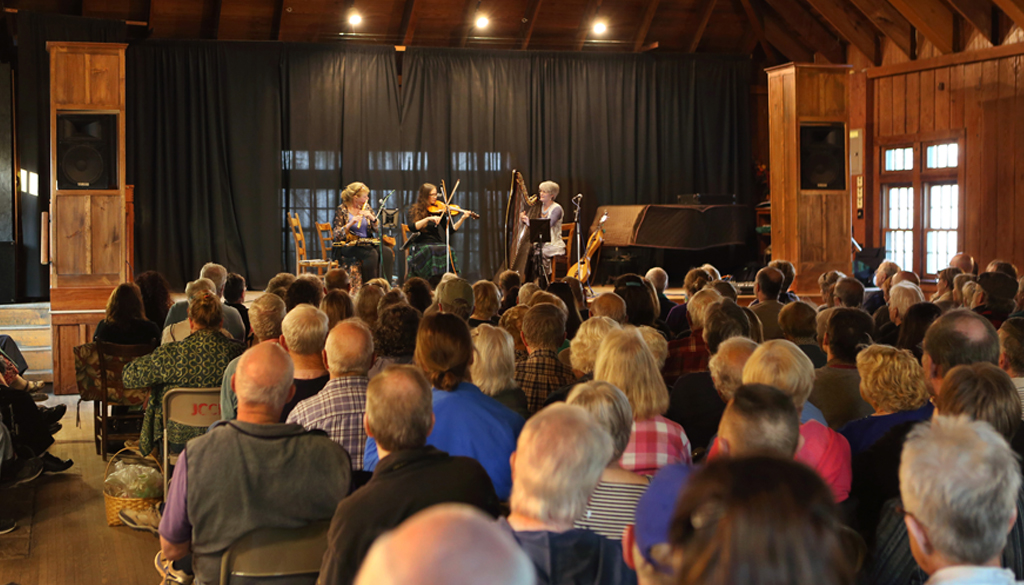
(542,373)
(690,354)
(338,408)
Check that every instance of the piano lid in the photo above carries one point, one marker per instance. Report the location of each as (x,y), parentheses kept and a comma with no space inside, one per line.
(678,227)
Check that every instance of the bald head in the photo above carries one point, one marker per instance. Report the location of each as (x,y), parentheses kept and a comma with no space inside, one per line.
(965,262)
(609,305)
(959,337)
(263,377)
(449,544)
(906,276)
(349,349)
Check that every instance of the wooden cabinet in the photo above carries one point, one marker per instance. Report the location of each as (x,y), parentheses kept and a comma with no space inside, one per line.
(810,227)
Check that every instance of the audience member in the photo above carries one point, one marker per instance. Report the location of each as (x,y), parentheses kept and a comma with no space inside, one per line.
(959,482)
(713,272)
(577,294)
(280,280)
(983,392)
(394,336)
(886,270)
(366,302)
(265,316)
(248,473)
(827,283)
(337,279)
(645,543)
(303,335)
(902,296)
(724,320)
(467,422)
(512,322)
(30,431)
(1019,299)
(399,416)
(125,322)
(573,320)
(559,460)
(893,383)
(419,293)
(612,504)
(494,368)
(781,364)
(759,420)
(1011,352)
(690,354)
(761,520)
(526,291)
(995,300)
(696,279)
(338,306)
(486,299)
(641,306)
(625,362)
(944,285)
(965,262)
(788,276)
(756,329)
(182,329)
(1002,266)
(542,372)
(508,280)
(915,324)
(799,324)
(379,282)
(656,343)
(609,305)
(234,297)
(393,297)
(837,385)
(218,275)
(727,289)
(659,278)
(196,362)
(849,292)
(767,286)
(455,297)
(958,289)
(449,544)
(338,409)
(156,296)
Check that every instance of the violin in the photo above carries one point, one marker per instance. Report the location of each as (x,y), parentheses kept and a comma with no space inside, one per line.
(439,207)
(581,270)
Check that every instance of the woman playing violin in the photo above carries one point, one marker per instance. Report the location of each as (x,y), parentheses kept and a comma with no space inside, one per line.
(354,221)
(552,212)
(428,258)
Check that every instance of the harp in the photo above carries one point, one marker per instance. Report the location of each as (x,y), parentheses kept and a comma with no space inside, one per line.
(517,234)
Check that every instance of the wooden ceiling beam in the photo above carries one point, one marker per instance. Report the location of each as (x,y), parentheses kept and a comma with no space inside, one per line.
(889,21)
(529,18)
(976,12)
(586,22)
(933,19)
(645,25)
(785,41)
(755,23)
(275,27)
(467,21)
(408,26)
(813,32)
(850,23)
(1014,9)
(702,24)
(217,15)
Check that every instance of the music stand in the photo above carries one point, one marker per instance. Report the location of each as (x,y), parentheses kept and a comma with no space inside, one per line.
(389,219)
(540,231)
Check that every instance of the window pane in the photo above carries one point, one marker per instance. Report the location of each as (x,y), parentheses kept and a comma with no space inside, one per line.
(942,156)
(899,159)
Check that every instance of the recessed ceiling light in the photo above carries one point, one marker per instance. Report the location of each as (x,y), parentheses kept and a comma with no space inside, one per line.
(600,27)
(482,22)
(355,19)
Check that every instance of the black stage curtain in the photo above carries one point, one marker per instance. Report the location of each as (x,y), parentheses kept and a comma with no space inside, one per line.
(33,115)
(619,128)
(223,137)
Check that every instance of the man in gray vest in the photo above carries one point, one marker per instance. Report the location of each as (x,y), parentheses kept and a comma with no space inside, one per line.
(249,473)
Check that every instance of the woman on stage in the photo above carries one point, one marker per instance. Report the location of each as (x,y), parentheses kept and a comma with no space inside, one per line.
(353,224)
(429,256)
(552,212)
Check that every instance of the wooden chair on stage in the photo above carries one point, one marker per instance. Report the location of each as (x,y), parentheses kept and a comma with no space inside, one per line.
(302,263)
(326,233)
(568,233)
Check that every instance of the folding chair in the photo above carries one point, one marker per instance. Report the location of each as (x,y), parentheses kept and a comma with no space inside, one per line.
(195,407)
(276,552)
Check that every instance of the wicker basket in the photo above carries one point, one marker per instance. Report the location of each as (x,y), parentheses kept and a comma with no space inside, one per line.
(115,504)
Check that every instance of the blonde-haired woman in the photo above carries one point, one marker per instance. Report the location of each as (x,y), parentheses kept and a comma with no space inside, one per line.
(494,368)
(893,383)
(354,222)
(625,361)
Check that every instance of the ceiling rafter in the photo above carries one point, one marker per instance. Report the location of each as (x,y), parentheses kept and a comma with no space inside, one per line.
(888,20)
(645,25)
(218,14)
(529,18)
(758,26)
(850,23)
(933,19)
(785,41)
(467,17)
(704,16)
(976,12)
(275,27)
(817,37)
(586,22)
(408,26)
(1014,9)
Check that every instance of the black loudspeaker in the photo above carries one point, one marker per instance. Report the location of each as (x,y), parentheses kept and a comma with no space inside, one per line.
(823,156)
(86,151)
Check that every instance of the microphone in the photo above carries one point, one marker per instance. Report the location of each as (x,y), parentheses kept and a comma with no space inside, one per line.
(578,197)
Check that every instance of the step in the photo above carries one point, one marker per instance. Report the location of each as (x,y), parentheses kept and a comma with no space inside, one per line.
(38,358)
(40,375)
(39,336)
(24,315)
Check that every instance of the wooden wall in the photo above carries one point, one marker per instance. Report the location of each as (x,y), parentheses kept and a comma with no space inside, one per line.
(977,93)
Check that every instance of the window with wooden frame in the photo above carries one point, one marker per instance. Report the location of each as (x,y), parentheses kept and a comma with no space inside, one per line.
(921,179)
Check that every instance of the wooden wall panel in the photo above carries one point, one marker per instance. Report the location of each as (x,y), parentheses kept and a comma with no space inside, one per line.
(899,104)
(105,80)
(956,96)
(912,102)
(72,234)
(1005,197)
(927,101)
(990,135)
(885,106)
(106,234)
(975,151)
(72,87)
(1018,150)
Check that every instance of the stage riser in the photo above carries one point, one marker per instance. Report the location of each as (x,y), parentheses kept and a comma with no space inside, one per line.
(29,326)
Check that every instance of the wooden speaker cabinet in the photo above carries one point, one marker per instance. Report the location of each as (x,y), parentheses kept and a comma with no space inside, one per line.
(807,128)
(89,232)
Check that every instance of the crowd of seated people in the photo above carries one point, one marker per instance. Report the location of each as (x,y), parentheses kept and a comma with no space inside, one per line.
(450,433)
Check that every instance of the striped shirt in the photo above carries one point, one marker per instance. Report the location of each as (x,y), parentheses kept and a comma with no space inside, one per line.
(611,508)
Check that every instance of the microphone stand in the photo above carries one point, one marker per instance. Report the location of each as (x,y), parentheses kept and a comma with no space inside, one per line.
(579,245)
(380,243)
(449,261)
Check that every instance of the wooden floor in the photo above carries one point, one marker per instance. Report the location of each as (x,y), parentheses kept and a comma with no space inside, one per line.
(64,525)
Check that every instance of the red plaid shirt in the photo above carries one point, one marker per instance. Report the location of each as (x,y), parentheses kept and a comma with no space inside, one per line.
(653,444)
(686,356)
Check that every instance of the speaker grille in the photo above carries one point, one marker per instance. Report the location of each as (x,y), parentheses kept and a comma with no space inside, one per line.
(83,164)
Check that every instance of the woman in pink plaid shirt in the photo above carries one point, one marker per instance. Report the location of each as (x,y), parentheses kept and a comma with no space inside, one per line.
(625,361)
